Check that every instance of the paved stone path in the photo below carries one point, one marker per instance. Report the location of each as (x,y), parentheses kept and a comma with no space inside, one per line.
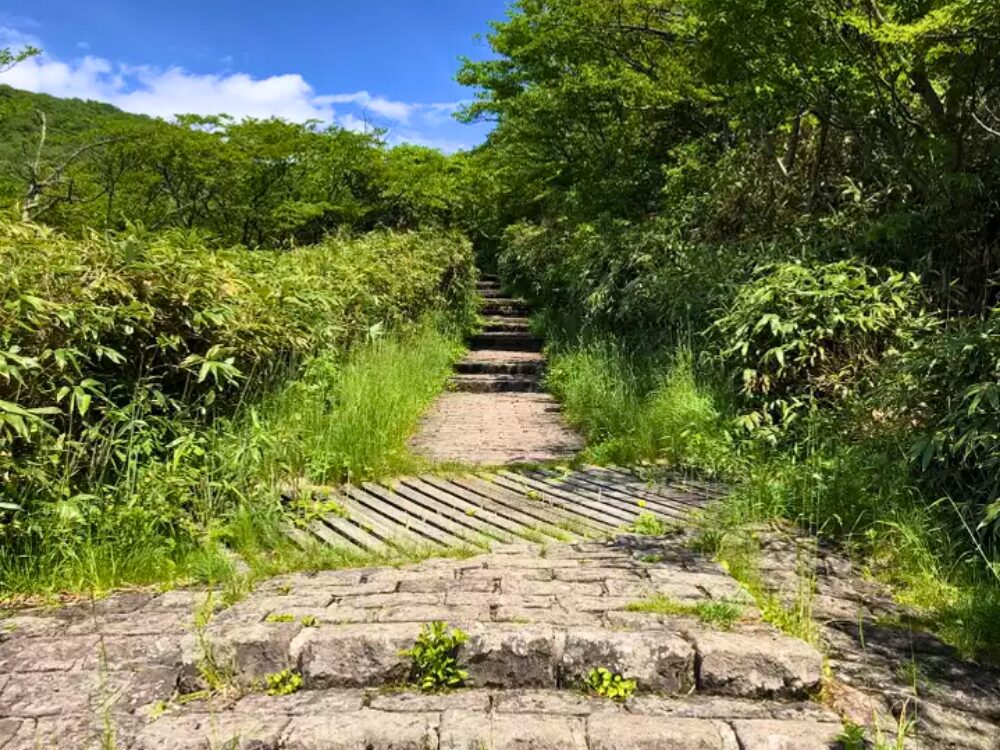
(132,671)
(494,413)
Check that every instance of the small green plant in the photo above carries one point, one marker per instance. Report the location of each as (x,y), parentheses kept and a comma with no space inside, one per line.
(284,682)
(309,621)
(279,617)
(607,684)
(533,495)
(651,559)
(852,737)
(434,656)
(649,524)
(721,614)
(470,512)
(856,737)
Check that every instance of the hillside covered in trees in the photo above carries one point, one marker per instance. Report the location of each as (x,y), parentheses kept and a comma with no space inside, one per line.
(765,237)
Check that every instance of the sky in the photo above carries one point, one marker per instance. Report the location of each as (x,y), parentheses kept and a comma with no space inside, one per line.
(354,63)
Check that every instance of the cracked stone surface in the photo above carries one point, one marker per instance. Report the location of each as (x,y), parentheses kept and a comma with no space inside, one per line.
(881,670)
(538,620)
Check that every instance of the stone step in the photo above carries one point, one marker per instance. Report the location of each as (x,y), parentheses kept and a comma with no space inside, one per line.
(679,658)
(493,292)
(507,340)
(494,383)
(492,720)
(498,361)
(504,306)
(506,323)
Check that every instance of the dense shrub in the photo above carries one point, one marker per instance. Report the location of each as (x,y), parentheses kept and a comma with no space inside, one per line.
(645,279)
(110,349)
(798,334)
(950,393)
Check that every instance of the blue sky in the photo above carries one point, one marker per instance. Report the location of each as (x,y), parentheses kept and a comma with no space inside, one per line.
(389,63)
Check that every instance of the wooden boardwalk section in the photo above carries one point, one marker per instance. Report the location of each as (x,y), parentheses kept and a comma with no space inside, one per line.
(479,510)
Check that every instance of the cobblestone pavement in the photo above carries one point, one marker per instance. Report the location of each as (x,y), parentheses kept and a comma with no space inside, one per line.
(126,672)
(496,428)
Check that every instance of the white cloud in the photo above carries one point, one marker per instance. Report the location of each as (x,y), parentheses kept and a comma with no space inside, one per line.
(166,92)
(391,110)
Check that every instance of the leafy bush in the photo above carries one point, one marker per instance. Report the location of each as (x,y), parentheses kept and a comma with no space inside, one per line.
(801,334)
(115,351)
(949,391)
(435,658)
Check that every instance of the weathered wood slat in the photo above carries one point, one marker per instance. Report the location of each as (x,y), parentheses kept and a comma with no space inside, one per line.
(681,503)
(339,532)
(504,506)
(479,506)
(525,515)
(395,536)
(542,510)
(408,515)
(516,523)
(423,494)
(437,514)
(617,496)
(675,490)
(609,516)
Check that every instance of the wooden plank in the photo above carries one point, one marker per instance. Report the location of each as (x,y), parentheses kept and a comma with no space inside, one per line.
(301,539)
(407,514)
(517,523)
(426,495)
(574,501)
(610,518)
(373,524)
(626,506)
(693,486)
(671,491)
(518,511)
(620,496)
(540,509)
(685,503)
(480,506)
(347,534)
(438,515)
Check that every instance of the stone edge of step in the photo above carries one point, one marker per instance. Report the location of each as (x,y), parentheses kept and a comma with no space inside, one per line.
(758,662)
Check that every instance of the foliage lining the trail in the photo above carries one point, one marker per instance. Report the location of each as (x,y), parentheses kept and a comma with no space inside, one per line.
(767,241)
(135,369)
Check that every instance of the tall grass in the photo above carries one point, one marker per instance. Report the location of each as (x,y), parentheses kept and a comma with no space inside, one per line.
(345,417)
(636,407)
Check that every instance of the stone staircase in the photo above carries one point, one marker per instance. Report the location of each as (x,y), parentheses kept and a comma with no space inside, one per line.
(538,620)
(504,356)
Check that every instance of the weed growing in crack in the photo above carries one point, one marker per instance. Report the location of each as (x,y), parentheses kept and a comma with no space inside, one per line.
(856,737)
(604,683)
(721,614)
(435,658)
(650,524)
(284,682)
